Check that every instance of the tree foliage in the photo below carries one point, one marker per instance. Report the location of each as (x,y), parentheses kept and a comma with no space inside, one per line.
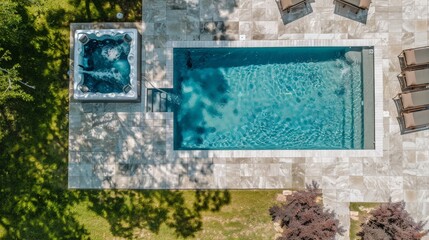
(12,87)
(391,221)
(303,217)
(11,92)
(10,20)
(10,81)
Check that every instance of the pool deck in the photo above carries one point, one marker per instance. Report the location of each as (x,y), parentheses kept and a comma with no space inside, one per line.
(119,145)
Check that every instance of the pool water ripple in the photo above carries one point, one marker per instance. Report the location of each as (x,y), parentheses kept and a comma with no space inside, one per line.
(276,104)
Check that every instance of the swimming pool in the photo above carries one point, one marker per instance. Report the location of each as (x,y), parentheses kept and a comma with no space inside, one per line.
(268,98)
(105,64)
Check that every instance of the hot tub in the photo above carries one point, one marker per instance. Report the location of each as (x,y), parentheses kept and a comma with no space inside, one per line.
(105,65)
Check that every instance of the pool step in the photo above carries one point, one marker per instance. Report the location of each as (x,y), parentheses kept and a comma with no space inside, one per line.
(368,97)
(157,101)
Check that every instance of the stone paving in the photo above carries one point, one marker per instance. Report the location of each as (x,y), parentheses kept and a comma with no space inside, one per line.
(119,145)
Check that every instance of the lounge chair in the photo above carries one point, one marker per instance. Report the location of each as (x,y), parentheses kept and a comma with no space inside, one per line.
(286,5)
(416,58)
(358,4)
(412,101)
(414,80)
(414,121)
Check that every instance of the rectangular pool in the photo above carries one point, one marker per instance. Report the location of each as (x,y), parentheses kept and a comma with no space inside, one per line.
(274,98)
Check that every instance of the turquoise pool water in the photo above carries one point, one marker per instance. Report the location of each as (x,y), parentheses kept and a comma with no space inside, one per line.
(104,64)
(268,98)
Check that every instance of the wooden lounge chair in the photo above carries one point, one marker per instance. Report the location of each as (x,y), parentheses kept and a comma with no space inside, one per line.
(416,58)
(286,5)
(413,101)
(414,80)
(357,4)
(414,121)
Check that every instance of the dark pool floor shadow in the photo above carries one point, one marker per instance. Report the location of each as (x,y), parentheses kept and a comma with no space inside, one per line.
(296,13)
(350,12)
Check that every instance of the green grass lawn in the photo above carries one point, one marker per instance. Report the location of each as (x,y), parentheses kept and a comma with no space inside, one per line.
(363,210)
(245,217)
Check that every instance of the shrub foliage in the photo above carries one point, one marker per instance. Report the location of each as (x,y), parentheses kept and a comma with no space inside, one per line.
(303,217)
(391,221)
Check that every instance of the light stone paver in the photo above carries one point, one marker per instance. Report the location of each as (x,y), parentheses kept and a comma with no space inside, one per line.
(119,145)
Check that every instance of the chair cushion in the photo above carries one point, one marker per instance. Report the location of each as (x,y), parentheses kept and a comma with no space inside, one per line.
(409,120)
(410,78)
(285,4)
(410,57)
(364,4)
(407,101)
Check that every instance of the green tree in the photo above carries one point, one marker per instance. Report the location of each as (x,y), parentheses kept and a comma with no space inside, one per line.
(10,20)
(11,92)
(10,81)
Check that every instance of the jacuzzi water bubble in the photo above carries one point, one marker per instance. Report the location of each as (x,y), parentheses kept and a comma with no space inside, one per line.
(110,53)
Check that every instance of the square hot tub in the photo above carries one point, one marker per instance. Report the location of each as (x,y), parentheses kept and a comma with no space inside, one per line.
(106,65)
